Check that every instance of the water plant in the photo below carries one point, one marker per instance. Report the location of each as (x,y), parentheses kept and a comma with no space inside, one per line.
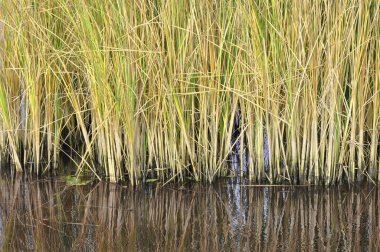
(167,89)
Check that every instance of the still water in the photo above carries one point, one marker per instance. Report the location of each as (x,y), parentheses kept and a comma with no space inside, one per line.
(52,215)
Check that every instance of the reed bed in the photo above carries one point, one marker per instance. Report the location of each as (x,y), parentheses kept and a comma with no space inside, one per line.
(167,89)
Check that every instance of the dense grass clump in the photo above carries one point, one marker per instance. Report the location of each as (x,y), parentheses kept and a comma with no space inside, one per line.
(167,89)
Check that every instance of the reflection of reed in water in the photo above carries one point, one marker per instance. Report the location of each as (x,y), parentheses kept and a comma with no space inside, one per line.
(51,216)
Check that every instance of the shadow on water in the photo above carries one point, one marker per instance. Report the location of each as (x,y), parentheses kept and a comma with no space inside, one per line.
(51,215)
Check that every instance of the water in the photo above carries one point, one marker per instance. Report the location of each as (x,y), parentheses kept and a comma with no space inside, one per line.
(51,215)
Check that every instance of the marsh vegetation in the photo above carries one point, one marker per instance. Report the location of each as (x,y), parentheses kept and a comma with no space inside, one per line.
(171,89)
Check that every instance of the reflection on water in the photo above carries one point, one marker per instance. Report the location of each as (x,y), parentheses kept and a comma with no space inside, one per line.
(50,215)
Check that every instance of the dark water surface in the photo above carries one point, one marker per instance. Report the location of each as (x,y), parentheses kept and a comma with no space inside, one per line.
(51,215)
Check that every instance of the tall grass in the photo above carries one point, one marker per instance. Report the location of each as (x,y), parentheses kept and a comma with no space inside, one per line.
(137,89)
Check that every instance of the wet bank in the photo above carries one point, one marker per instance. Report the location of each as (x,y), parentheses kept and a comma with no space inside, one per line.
(53,215)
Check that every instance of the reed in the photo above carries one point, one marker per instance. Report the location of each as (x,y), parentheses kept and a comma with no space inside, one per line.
(137,89)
